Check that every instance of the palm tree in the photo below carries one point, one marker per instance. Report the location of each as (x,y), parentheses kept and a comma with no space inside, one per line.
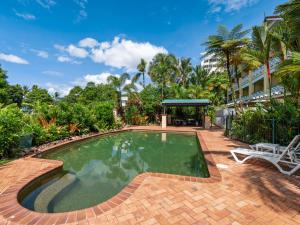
(185,68)
(141,72)
(218,85)
(162,70)
(225,44)
(118,83)
(290,11)
(281,36)
(291,67)
(178,91)
(260,51)
(200,76)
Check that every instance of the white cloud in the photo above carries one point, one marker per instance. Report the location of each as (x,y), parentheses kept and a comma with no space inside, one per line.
(62,89)
(52,73)
(122,53)
(64,59)
(119,53)
(47,4)
(77,52)
(59,47)
(98,78)
(88,42)
(25,16)
(40,53)
(230,5)
(82,14)
(12,58)
(67,59)
(72,50)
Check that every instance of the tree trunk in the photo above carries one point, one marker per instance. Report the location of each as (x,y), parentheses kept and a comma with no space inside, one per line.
(269,77)
(230,81)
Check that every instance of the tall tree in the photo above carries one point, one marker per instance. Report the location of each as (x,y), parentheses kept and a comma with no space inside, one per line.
(260,51)
(162,70)
(291,67)
(118,83)
(200,76)
(225,44)
(290,11)
(37,95)
(185,68)
(3,86)
(141,72)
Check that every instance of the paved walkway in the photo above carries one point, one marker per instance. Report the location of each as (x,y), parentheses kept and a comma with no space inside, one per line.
(246,194)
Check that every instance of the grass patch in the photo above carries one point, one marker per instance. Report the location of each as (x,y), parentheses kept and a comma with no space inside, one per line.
(4,161)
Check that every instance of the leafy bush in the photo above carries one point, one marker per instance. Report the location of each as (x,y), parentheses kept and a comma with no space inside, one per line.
(11,125)
(103,113)
(279,123)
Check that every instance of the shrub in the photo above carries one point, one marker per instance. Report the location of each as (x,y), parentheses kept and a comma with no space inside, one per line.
(11,125)
(103,115)
(279,123)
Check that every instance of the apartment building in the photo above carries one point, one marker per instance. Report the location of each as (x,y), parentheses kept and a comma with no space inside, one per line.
(254,87)
(210,63)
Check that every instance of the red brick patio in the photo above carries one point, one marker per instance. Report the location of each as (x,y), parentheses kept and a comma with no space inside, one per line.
(236,194)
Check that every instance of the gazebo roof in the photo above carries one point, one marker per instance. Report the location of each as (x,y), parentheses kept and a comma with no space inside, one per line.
(185,102)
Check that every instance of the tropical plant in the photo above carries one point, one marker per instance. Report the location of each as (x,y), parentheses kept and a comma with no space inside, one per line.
(141,72)
(291,68)
(118,83)
(163,70)
(37,94)
(290,11)
(225,44)
(184,70)
(11,126)
(260,51)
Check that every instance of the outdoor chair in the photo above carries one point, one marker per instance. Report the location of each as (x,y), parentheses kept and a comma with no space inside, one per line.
(286,160)
(267,147)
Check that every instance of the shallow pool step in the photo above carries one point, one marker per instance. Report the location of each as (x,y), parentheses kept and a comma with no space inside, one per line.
(48,194)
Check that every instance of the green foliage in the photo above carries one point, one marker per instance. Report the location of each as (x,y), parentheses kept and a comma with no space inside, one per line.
(259,124)
(37,95)
(11,125)
(104,118)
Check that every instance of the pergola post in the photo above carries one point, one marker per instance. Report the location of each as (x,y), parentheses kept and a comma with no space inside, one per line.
(164,119)
(207,122)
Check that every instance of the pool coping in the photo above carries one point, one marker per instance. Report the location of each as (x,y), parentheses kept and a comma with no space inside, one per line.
(12,210)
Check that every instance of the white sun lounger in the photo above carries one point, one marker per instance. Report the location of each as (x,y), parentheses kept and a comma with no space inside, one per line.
(275,148)
(287,162)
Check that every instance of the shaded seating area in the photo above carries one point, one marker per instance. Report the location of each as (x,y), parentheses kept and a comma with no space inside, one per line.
(173,113)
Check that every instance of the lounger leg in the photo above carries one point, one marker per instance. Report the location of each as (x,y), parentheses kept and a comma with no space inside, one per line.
(289,173)
(237,159)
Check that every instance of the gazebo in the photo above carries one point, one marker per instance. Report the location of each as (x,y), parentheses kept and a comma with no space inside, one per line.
(183,103)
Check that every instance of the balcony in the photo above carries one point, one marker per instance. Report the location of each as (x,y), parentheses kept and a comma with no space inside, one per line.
(245,81)
(258,74)
(258,95)
(273,64)
(245,98)
(277,90)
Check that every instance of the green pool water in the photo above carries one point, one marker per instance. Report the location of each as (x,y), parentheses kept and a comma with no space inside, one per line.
(97,169)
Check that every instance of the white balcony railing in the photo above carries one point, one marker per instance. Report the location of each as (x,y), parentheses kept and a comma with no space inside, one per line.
(245,81)
(274,63)
(258,74)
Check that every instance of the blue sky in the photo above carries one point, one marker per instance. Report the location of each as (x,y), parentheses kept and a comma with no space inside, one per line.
(61,43)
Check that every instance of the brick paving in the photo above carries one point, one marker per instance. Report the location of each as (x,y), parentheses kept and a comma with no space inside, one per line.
(238,194)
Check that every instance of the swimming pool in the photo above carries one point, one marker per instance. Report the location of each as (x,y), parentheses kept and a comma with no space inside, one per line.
(97,169)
